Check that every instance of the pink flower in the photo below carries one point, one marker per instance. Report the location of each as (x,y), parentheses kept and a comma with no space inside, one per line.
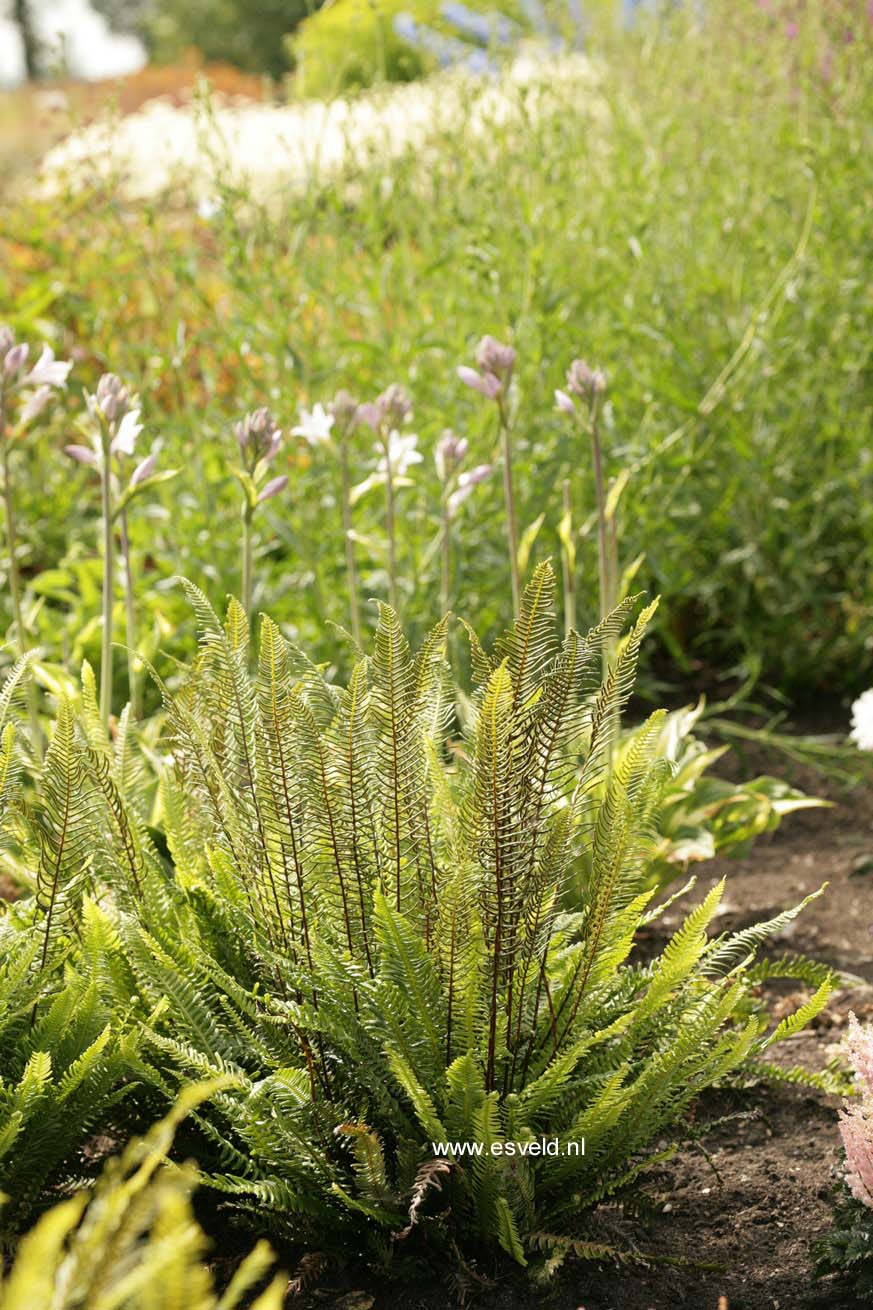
(564,402)
(494,357)
(449,451)
(258,436)
(585,381)
(485,383)
(856,1119)
(144,469)
(370,414)
(84,455)
(15,359)
(273,487)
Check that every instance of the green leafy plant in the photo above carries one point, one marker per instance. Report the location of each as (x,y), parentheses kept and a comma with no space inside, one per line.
(133,1241)
(366,933)
(702,815)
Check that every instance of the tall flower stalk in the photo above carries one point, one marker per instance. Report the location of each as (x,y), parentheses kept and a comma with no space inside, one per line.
(113,431)
(582,399)
(491,377)
(568,560)
(34,388)
(333,428)
(258,439)
(456,485)
(397,453)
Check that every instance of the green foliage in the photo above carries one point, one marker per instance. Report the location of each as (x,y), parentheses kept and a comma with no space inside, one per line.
(581,221)
(251,36)
(366,936)
(846,1250)
(353,43)
(133,1242)
(702,816)
(63,1055)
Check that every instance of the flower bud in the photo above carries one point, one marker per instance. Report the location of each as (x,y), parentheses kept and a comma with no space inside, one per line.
(495,357)
(258,436)
(144,469)
(112,397)
(395,405)
(344,410)
(449,451)
(15,359)
(585,381)
(273,487)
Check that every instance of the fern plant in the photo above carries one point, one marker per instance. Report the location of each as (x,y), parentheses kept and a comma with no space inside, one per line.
(66,1051)
(132,1243)
(365,933)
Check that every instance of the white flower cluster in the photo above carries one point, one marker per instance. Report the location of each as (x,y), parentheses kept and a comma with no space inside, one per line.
(270,147)
(862,721)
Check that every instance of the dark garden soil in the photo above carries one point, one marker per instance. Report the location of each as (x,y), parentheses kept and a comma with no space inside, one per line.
(759,1191)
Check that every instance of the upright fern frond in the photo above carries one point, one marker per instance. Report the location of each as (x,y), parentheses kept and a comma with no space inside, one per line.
(63,818)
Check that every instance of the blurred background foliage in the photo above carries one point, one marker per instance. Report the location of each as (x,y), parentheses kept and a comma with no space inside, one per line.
(719,209)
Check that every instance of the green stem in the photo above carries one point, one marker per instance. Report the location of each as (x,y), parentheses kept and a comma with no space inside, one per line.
(23,644)
(351,567)
(392,543)
(445,555)
(108,584)
(600,491)
(566,565)
(248,513)
(133,680)
(509,500)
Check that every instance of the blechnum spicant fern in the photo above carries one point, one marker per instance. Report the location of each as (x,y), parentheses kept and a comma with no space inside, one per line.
(401,934)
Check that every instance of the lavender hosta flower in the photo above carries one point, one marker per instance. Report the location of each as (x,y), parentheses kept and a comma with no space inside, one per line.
(48,371)
(395,405)
(315,426)
(862,721)
(856,1119)
(448,453)
(7,340)
(15,358)
(83,455)
(258,436)
(494,366)
(273,487)
(112,399)
(369,413)
(344,410)
(124,440)
(485,383)
(35,404)
(584,381)
(466,483)
(389,410)
(496,358)
(401,454)
(564,402)
(144,470)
